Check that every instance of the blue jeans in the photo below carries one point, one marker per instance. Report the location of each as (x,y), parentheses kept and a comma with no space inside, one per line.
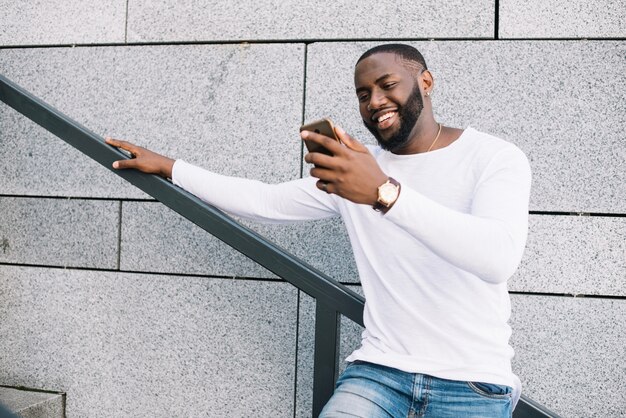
(373,391)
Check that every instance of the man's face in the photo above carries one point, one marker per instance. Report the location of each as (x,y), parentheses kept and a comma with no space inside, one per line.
(390,101)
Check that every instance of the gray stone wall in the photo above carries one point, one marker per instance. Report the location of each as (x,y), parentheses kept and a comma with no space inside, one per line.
(132,311)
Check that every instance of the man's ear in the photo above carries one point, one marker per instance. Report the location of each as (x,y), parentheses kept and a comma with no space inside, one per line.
(426,81)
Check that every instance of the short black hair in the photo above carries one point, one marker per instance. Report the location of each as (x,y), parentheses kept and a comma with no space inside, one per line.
(406,52)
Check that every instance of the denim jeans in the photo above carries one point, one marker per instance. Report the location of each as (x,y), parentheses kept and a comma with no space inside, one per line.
(373,391)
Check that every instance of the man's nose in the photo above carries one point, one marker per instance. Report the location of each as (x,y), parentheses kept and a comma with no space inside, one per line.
(377,100)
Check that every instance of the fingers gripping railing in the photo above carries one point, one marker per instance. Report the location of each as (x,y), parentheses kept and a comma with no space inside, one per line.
(331,297)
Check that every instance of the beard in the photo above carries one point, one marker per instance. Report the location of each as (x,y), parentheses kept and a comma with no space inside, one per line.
(408,114)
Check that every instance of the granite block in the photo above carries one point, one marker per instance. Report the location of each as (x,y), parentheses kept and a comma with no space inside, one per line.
(569,353)
(235,109)
(560,102)
(220,20)
(577,255)
(350,340)
(30,404)
(155,239)
(324,244)
(62,22)
(562,19)
(150,345)
(59,232)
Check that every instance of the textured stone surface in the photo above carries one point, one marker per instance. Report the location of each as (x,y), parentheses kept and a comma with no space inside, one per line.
(562,19)
(29,404)
(145,345)
(561,102)
(156,345)
(39,22)
(574,255)
(232,108)
(156,239)
(570,353)
(59,232)
(218,20)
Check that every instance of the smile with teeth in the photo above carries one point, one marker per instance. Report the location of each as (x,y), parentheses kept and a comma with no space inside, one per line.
(385,117)
(384,121)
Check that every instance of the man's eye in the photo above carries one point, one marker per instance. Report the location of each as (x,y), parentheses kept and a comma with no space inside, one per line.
(388,86)
(362,97)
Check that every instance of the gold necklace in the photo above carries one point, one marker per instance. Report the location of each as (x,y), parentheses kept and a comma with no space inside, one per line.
(436,138)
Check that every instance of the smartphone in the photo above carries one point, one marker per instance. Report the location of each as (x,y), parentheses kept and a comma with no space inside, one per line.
(324,127)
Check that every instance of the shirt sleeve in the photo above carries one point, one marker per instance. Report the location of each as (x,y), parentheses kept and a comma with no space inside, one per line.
(487,242)
(293,201)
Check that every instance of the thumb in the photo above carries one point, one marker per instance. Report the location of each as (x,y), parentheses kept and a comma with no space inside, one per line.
(350,142)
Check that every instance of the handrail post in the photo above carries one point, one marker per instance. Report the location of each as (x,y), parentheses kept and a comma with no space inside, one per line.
(327,329)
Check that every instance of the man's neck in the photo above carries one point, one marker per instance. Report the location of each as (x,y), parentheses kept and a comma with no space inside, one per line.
(423,137)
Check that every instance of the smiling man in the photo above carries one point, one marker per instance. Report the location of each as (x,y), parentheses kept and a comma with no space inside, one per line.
(437,218)
(392,124)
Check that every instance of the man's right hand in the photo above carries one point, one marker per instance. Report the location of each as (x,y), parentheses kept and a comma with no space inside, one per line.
(142,159)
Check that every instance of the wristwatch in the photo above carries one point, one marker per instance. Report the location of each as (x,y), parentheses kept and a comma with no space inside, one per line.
(388,193)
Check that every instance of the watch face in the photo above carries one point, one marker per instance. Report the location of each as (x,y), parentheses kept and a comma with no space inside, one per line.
(387,194)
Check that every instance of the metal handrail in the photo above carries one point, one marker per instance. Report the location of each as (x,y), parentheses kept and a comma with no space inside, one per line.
(332,298)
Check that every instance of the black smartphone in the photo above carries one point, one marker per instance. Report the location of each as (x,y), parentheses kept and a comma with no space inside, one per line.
(324,127)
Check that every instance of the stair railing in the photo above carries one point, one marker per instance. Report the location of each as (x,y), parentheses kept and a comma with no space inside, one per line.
(331,297)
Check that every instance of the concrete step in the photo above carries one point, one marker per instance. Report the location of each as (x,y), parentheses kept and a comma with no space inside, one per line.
(25,403)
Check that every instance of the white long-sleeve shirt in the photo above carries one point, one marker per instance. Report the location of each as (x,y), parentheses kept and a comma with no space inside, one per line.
(434,267)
